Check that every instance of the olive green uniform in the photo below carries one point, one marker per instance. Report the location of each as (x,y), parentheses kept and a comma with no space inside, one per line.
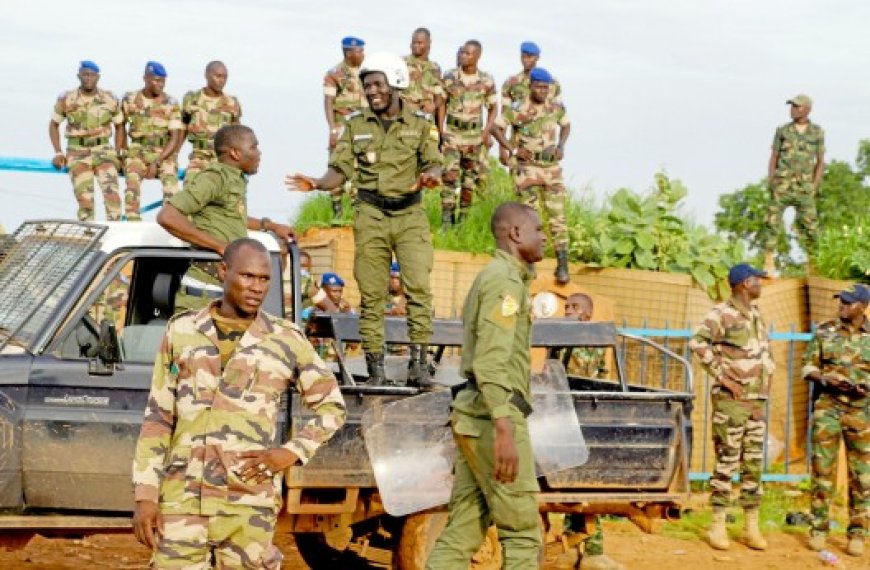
(496,361)
(389,216)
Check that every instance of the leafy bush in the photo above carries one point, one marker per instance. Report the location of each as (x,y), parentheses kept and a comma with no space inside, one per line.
(844,252)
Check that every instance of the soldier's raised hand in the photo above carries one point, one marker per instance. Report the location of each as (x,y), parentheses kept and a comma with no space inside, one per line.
(299,183)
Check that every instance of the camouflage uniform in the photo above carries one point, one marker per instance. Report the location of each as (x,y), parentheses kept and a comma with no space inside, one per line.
(793,183)
(150,122)
(496,359)
(343,84)
(517,88)
(89,120)
(733,343)
(465,156)
(204,116)
(201,415)
(424,84)
(837,351)
(535,128)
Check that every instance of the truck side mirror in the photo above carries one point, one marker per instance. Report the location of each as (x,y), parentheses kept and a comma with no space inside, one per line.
(109,351)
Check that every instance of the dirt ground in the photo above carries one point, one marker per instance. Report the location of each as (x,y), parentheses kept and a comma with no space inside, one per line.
(624,542)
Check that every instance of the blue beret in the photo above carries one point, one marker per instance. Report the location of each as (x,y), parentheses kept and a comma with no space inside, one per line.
(352,42)
(332,280)
(88,64)
(540,74)
(394,268)
(530,48)
(155,68)
(854,294)
(743,271)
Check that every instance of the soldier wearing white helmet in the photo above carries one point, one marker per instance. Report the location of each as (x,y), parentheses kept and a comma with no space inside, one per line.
(390,152)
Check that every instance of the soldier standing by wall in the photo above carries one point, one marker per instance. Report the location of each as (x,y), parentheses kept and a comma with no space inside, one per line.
(733,347)
(539,131)
(155,137)
(465,138)
(838,361)
(205,112)
(89,113)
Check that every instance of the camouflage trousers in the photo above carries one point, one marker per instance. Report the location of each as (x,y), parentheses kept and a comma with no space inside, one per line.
(797,193)
(833,421)
(542,188)
(466,166)
(198,161)
(139,158)
(86,163)
(593,545)
(190,542)
(739,429)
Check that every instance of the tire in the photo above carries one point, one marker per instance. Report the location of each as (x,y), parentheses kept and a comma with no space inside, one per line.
(420,533)
(318,554)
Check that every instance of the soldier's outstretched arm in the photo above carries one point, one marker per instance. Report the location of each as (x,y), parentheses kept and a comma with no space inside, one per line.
(302,183)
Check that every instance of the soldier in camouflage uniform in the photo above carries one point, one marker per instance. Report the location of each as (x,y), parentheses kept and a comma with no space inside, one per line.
(155,133)
(465,138)
(209,461)
(838,361)
(539,131)
(89,113)
(204,112)
(795,170)
(733,347)
(425,91)
(517,88)
(343,95)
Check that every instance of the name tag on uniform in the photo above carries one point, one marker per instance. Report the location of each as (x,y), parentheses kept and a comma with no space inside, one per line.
(362,137)
(408,133)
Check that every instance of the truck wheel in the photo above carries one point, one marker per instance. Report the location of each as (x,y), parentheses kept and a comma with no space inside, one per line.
(420,533)
(330,552)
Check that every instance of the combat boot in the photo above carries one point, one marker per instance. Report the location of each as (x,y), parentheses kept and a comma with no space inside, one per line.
(375,367)
(817,541)
(754,538)
(562,274)
(446,219)
(855,547)
(718,534)
(599,562)
(337,210)
(419,370)
(769,264)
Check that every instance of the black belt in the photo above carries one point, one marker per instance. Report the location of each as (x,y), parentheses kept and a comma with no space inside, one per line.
(516,398)
(87,141)
(387,202)
(152,141)
(194,291)
(201,144)
(462,125)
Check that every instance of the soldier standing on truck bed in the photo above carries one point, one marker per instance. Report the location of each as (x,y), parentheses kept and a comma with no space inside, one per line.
(733,347)
(207,472)
(90,113)
(155,136)
(495,479)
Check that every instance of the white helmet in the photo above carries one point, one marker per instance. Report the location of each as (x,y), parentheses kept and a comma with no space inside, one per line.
(391,65)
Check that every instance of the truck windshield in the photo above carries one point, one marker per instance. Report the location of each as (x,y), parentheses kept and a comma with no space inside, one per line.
(39,265)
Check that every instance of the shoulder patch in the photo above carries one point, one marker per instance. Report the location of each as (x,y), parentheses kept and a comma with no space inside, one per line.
(509,306)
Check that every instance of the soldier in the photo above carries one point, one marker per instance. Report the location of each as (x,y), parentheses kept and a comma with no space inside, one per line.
(424,92)
(733,347)
(389,152)
(517,88)
(537,149)
(207,473)
(204,112)
(495,470)
(838,361)
(89,113)
(333,287)
(342,96)
(155,135)
(464,135)
(795,170)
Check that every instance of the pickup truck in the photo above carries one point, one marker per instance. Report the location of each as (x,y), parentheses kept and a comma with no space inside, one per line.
(82,310)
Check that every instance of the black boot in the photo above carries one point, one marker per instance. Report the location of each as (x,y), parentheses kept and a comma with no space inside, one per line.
(562,275)
(419,370)
(337,210)
(446,219)
(375,367)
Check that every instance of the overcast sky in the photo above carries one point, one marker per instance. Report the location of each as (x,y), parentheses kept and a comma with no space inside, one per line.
(690,86)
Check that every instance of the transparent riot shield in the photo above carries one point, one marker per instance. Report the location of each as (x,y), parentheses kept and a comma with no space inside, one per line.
(553,425)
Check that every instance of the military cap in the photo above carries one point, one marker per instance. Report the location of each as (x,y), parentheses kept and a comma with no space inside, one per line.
(530,48)
(800,101)
(743,271)
(88,64)
(352,42)
(332,280)
(854,294)
(540,74)
(394,269)
(155,68)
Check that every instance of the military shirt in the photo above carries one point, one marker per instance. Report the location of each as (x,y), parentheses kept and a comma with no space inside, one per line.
(467,95)
(733,339)
(798,152)
(386,162)
(535,127)
(87,115)
(199,418)
(837,351)
(518,88)
(151,117)
(496,341)
(216,201)
(204,115)
(343,84)
(424,85)
(588,362)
